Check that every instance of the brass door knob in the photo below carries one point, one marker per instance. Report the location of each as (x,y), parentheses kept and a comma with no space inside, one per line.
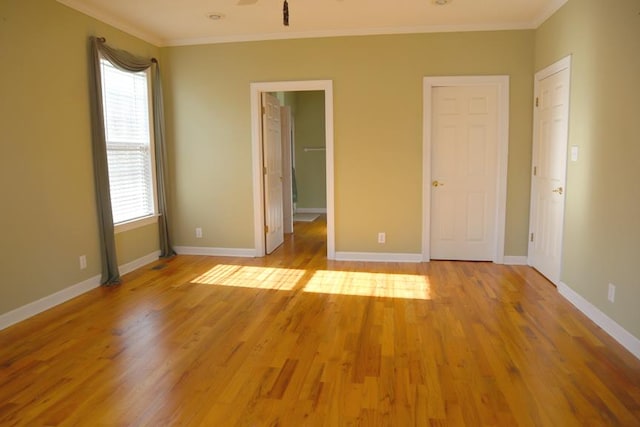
(437,184)
(558,190)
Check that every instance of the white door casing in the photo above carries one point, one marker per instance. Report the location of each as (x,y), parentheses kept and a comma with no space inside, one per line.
(463,171)
(272,158)
(466,127)
(549,168)
(256,90)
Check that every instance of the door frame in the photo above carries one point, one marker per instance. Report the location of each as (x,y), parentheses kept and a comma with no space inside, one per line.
(502,85)
(256,89)
(556,67)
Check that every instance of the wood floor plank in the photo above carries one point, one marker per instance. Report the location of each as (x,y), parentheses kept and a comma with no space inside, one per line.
(295,340)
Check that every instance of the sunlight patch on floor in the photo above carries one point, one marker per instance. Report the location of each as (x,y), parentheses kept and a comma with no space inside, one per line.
(369,284)
(283,279)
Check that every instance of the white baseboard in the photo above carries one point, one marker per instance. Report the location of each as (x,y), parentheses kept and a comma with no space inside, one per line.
(311,210)
(35,307)
(140,262)
(66,294)
(609,325)
(377,257)
(229,252)
(515,260)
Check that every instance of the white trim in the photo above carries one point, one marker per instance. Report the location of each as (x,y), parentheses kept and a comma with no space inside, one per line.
(66,294)
(132,29)
(552,8)
(157,40)
(227,252)
(515,260)
(233,38)
(556,67)
(502,84)
(552,69)
(138,222)
(43,304)
(152,218)
(140,262)
(378,257)
(311,210)
(610,326)
(256,90)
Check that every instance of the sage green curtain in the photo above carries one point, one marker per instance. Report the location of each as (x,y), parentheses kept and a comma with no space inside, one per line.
(166,249)
(127,62)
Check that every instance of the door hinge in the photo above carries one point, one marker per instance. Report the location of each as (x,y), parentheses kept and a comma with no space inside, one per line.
(535,171)
(264,170)
(266,229)
(537,101)
(264,110)
(531,237)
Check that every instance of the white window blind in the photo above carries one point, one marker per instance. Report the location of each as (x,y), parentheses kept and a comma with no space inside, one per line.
(129,148)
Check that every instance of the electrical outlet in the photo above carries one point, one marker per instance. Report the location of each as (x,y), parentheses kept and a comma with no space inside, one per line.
(83,262)
(382,237)
(612,292)
(199,233)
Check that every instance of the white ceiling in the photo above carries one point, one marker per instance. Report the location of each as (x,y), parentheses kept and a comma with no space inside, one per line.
(185,22)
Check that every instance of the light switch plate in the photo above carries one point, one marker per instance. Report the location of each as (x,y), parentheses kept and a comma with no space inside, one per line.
(574,153)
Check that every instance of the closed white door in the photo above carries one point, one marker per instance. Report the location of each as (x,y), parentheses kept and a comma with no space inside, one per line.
(464,172)
(272,155)
(551,115)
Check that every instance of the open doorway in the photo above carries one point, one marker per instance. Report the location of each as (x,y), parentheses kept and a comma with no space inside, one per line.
(304,156)
(307,153)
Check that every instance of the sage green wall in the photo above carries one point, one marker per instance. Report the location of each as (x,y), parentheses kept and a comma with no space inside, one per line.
(311,172)
(48,204)
(48,213)
(378,129)
(602,223)
(290,100)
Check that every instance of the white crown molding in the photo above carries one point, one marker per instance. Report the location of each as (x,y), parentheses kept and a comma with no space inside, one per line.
(207,251)
(347,33)
(154,39)
(610,326)
(80,6)
(548,12)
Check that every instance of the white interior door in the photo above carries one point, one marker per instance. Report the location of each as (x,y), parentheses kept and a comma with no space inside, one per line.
(464,171)
(287,165)
(272,167)
(551,125)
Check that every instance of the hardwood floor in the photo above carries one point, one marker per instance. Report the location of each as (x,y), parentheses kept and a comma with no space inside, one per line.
(293,339)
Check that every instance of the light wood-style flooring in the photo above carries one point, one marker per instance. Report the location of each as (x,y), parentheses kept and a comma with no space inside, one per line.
(295,340)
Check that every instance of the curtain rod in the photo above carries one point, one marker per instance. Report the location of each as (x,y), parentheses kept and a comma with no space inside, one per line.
(103,40)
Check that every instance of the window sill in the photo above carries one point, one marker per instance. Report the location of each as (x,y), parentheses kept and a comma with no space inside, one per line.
(136,223)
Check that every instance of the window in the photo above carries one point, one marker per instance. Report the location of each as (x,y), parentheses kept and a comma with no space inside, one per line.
(130,155)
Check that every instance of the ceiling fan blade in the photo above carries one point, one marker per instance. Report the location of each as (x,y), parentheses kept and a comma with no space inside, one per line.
(246,2)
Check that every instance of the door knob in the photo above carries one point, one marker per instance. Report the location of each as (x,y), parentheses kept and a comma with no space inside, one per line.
(558,190)
(436,183)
